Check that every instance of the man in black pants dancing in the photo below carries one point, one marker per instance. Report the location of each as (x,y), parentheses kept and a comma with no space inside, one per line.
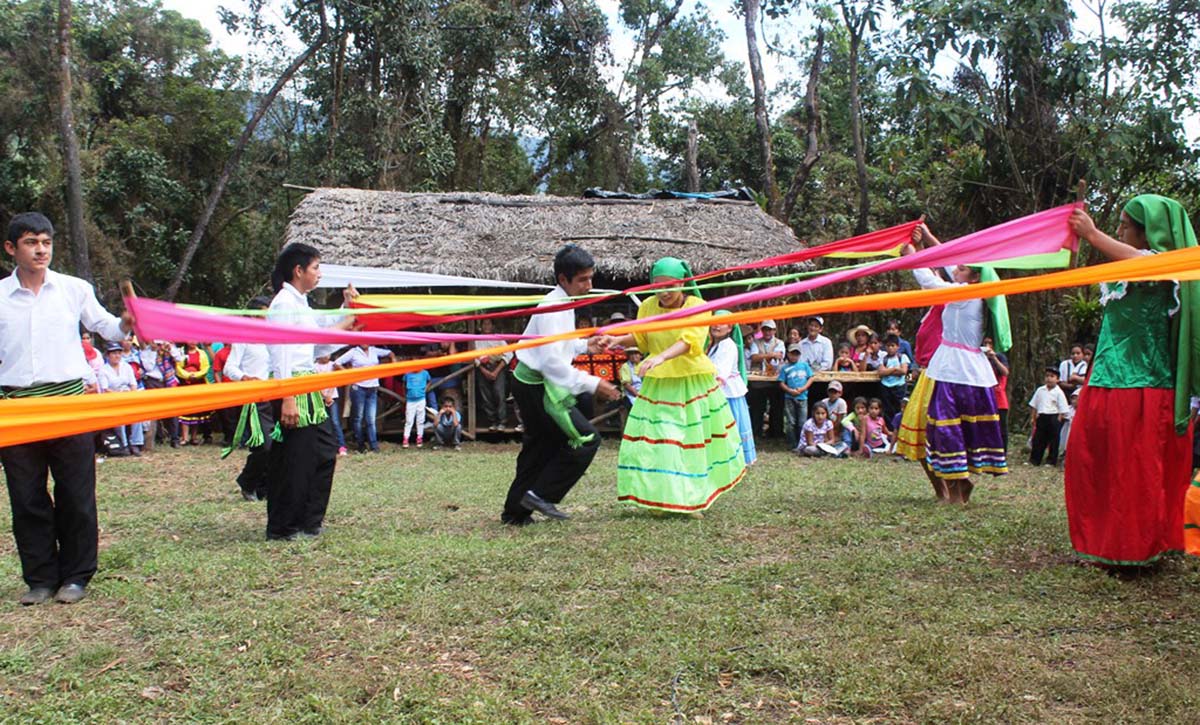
(559,442)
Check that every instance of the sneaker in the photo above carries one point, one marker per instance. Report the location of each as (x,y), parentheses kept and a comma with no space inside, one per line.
(419,443)
(343,452)
(458,448)
(404,444)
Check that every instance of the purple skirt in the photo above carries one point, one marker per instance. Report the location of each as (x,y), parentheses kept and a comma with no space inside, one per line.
(964,435)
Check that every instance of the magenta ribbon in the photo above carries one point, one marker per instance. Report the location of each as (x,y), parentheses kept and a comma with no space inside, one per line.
(157,320)
(1040,233)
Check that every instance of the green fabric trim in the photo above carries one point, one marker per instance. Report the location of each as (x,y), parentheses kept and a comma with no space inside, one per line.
(1117,562)
(558,402)
(997,311)
(46,390)
(527,375)
(249,416)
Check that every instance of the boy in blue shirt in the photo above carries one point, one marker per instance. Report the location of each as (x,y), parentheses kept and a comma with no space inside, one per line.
(448,431)
(795,377)
(414,405)
(893,374)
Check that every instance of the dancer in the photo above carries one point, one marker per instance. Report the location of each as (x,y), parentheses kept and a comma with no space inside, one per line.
(963,433)
(305,450)
(1129,454)
(248,361)
(57,536)
(725,351)
(558,442)
(681,449)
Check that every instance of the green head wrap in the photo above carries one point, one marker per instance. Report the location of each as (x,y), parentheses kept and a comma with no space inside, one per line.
(736,336)
(674,268)
(997,310)
(1168,228)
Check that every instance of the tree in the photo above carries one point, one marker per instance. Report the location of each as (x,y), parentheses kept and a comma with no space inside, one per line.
(812,131)
(750,11)
(70,144)
(858,20)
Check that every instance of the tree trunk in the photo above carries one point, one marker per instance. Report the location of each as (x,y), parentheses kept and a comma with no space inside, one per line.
(693,152)
(812,125)
(231,164)
(750,8)
(339,72)
(860,151)
(66,128)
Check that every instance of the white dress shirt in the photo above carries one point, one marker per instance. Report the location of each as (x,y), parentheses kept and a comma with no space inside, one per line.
(725,358)
(1049,401)
(290,308)
(817,353)
(553,360)
(356,357)
(120,380)
(959,358)
(247,360)
(39,334)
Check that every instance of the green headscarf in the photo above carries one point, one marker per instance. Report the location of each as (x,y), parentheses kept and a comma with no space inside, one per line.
(736,336)
(997,310)
(675,268)
(1168,228)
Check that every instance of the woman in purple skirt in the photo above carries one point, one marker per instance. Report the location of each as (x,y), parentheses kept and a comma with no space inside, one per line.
(964,434)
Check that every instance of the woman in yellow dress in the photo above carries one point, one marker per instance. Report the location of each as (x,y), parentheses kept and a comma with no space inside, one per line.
(681,448)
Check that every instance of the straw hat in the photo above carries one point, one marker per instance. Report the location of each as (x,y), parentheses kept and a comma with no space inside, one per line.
(853,331)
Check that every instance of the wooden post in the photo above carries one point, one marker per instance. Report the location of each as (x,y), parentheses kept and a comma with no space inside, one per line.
(1080,197)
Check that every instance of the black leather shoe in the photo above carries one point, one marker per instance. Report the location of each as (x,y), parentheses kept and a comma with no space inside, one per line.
(510,520)
(534,502)
(36,595)
(248,495)
(289,537)
(70,593)
(313,533)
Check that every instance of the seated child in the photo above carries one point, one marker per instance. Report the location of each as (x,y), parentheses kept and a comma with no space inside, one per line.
(845,359)
(854,430)
(817,436)
(835,403)
(895,422)
(448,430)
(877,435)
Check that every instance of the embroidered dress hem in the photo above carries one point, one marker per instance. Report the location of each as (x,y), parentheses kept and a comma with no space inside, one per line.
(963,434)
(681,448)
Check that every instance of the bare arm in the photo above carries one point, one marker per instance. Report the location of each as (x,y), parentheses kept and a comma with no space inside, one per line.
(1083,226)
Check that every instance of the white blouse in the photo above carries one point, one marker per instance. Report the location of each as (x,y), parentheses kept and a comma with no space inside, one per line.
(725,357)
(959,358)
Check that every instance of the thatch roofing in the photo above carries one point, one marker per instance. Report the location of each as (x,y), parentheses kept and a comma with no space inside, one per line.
(515,237)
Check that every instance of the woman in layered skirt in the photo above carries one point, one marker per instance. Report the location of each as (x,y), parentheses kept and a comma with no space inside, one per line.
(963,434)
(1129,456)
(681,448)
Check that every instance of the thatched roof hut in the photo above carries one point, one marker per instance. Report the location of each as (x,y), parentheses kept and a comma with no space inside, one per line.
(515,237)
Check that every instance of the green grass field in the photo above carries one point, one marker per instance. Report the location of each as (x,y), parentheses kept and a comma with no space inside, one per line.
(817,591)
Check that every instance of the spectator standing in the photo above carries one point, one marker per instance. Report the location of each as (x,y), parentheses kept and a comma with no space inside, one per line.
(492,376)
(1049,409)
(815,348)
(1073,371)
(364,395)
(795,378)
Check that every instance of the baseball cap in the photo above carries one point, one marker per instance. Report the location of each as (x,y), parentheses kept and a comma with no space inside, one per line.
(768,323)
(794,347)
(834,385)
(817,319)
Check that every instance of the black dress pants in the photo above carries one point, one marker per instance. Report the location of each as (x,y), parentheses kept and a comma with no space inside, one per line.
(253,478)
(56,538)
(1045,434)
(547,464)
(300,478)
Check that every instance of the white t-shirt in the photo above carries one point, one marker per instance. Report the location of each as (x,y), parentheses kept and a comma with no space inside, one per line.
(1049,402)
(356,357)
(837,410)
(1067,368)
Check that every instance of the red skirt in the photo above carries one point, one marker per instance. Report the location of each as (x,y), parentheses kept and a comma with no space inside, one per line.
(1127,474)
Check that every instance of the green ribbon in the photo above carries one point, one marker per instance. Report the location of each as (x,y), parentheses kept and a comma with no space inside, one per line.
(311,408)
(249,417)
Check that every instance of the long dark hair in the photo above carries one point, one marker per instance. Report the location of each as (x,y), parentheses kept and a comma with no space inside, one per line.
(293,255)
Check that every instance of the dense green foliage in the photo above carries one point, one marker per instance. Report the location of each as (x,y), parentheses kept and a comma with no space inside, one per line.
(972,112)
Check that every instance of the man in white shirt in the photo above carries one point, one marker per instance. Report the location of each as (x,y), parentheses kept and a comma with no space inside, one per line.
(300,475)
(766,356)
(559,442)
(248,361)
(1049,408)
(40,355)
(816,349)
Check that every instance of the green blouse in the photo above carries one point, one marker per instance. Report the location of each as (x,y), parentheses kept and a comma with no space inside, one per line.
(1134,350)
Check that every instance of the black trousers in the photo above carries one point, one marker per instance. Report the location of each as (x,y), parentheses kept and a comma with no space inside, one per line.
(300,478)
(56,538)
(253,478)
(759,398)
(1045,433)
(1003,413)
(892,399)
(546,465)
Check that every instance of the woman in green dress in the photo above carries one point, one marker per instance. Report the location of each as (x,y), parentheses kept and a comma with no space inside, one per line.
(681,448)
(1129,454)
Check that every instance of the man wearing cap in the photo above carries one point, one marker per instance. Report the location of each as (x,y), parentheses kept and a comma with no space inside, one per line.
(40,356)
(766,357)
(816,349)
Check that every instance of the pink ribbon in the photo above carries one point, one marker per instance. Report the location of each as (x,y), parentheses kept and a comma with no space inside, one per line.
(960,346)
(157,320)
(1040,233)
